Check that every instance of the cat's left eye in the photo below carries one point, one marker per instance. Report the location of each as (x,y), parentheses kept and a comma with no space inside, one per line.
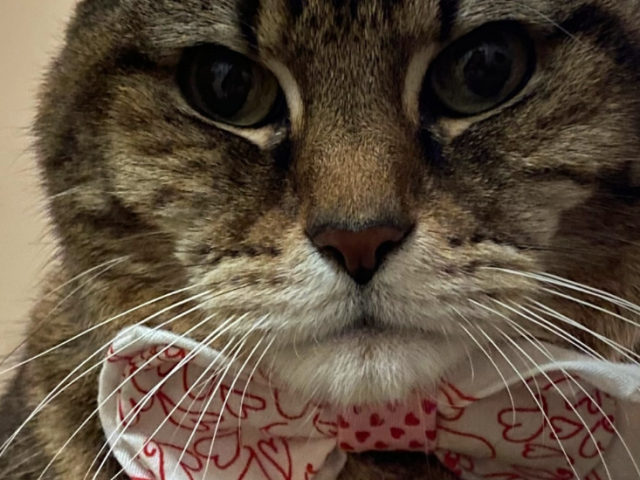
(482,70)
(228,87)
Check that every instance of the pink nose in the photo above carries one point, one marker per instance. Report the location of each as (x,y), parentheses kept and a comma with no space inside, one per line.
(360,252)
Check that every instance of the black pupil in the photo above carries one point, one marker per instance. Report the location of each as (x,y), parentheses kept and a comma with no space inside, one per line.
(488,68)
(224,85)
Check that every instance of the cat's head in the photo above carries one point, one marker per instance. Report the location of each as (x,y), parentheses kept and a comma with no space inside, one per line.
(369,188)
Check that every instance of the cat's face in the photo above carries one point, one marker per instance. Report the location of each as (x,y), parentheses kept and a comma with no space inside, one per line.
(365,185)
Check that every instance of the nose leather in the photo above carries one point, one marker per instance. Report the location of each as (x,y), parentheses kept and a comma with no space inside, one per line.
(360,252)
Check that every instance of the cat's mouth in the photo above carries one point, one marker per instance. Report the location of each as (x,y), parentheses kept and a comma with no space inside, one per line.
(371,328)
(367,361)
(368,325)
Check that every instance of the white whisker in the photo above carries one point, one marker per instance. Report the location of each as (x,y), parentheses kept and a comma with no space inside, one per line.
(231,362)
(540,347)
(579,287)
(550,327)
(560,392)
(106,266)
(59,389)
(550,21)
(97,410)
(15,465)
(252,373)
(526,385)
(575,286)
(217,333)
(204,344)
(79,276)
(591,305)
(627,353)
(235,352)
(488,355)
(78,288)
(112,319)
(224,404)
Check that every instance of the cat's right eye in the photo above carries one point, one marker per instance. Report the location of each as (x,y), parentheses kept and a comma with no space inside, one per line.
(228,87)
(482,70)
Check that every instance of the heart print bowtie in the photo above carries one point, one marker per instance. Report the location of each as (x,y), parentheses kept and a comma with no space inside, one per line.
(163,400)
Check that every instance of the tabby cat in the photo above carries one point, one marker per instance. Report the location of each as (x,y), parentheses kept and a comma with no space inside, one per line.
(378,187)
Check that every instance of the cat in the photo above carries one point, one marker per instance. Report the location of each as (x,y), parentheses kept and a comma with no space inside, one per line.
(376,187)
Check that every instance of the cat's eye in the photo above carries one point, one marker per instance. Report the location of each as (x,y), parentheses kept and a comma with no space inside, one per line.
(483,69)
(228,87)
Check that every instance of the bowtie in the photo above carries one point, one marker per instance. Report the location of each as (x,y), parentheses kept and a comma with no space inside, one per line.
(537,413)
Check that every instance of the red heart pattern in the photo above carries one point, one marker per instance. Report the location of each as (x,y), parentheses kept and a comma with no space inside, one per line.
(263,434)
(388,428)
(411,420)
(376,420)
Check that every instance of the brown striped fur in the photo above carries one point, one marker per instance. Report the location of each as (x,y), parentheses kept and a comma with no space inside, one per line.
(547,182)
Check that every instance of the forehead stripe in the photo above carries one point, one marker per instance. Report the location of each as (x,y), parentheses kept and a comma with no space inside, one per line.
(248,11)
(296,7)
(606,30)
(448,15)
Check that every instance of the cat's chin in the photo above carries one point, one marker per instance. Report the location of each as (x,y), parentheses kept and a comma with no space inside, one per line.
(366,367)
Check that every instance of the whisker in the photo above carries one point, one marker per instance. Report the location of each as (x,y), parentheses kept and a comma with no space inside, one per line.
(78,288)
(526,385)
(591,305)
(205,384)
(210,379)
(488,355)
(587,289)
(550,21)
(15,466)
(213,336)
(96,411)
(110,264)
(242,342)
(110,320)
(204,344)
(59,389)
(224,404)
(550,327)
(571,285)
(52,292)
(237,348)
(310,400)
(560,392)
(540,347)
(622,350)
(253,371)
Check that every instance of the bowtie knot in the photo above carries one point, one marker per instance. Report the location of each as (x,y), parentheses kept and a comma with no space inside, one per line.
(173,411)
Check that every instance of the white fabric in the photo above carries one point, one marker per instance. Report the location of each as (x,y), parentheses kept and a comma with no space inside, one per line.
(163,399)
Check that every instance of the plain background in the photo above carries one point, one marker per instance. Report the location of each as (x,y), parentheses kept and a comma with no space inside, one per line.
(30,34)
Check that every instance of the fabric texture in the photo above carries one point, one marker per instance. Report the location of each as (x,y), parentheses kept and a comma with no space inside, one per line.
(542,414)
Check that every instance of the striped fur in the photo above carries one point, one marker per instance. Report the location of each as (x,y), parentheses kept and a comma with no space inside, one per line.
(548,182)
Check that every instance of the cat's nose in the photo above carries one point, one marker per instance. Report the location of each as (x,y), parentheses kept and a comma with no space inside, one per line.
(360,252)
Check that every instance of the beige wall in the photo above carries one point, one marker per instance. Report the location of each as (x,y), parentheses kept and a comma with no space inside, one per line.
(30,31)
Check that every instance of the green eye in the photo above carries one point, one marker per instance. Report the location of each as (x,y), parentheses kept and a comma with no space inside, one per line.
(227,87)
(482,70)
